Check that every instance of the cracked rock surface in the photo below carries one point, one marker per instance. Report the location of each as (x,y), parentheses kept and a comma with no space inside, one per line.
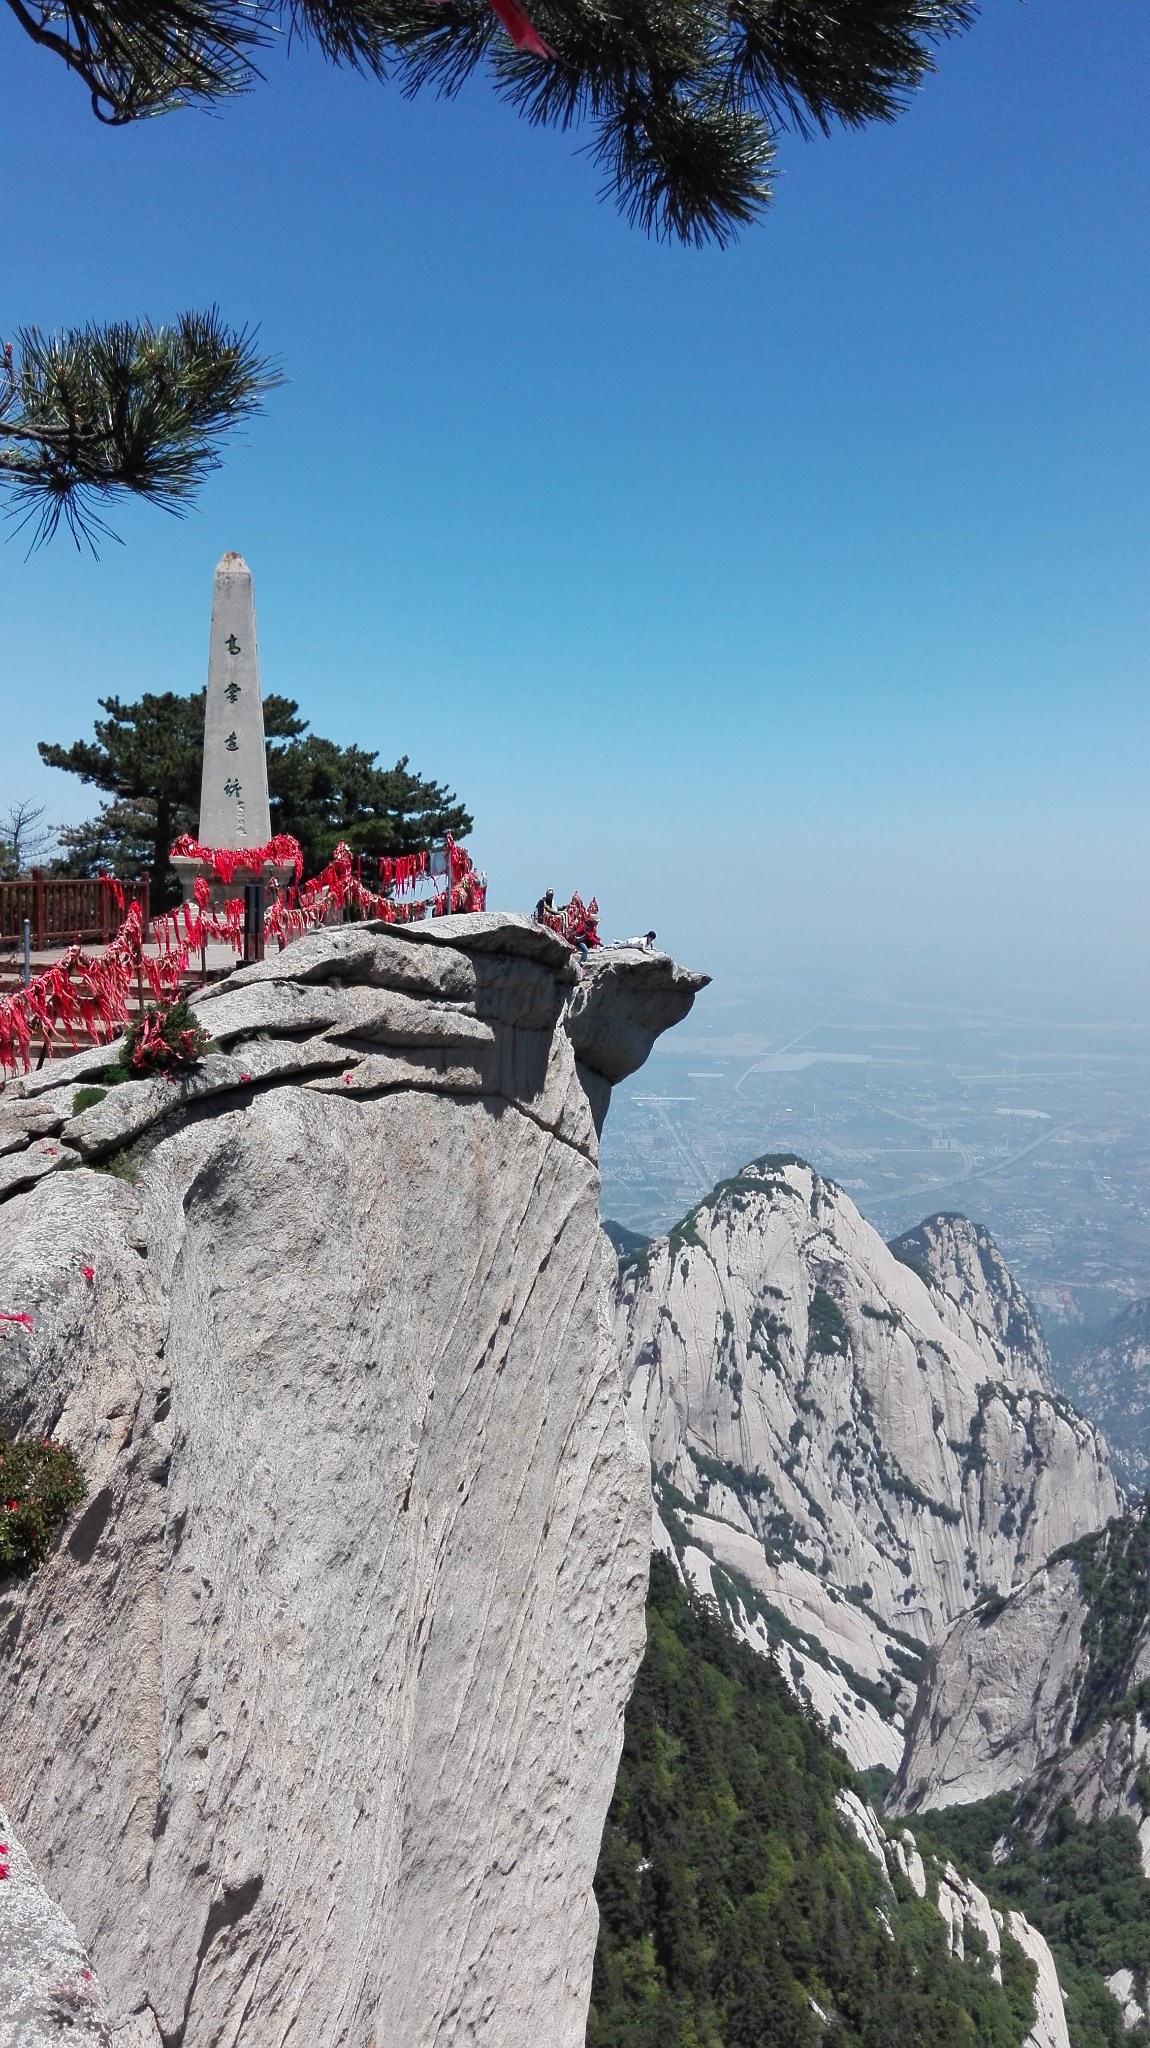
(47,1987)
(311,1721)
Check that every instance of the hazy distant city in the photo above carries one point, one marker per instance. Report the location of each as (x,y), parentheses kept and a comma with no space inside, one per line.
(1034,1124)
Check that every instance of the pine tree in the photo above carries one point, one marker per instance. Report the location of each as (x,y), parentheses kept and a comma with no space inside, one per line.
(149,757)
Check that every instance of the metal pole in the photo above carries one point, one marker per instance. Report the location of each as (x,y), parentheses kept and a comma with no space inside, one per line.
(253,921)
(27,951)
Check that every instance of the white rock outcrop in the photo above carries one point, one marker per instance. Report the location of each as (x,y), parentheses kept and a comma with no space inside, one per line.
(999,1698)
(1040,1691)
(977,1296)
(965,1912)
(312,1720)
(48,1989)
(1050,2029)
(1122,1986)
(870,1446)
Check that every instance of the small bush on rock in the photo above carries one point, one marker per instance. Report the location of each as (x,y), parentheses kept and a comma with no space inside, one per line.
(168,1039)
(40,1484)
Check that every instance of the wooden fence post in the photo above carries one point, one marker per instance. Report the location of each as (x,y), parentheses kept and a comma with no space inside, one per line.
(38,913)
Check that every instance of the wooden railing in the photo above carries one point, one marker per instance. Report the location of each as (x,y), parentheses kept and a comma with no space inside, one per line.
(65,911)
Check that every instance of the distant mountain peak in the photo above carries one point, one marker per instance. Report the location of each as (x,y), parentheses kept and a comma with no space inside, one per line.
(868,1448)
(961,1264)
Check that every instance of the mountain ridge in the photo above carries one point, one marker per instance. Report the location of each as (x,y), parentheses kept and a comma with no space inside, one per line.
(867,1449)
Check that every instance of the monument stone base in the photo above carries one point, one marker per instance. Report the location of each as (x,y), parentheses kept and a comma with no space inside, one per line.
(189,872)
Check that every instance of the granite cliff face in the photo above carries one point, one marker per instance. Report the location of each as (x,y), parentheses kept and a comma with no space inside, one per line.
(1110,1381)
(855,1447)
(48,1989)
(977,1296)
(311,1722)
(1046,1692)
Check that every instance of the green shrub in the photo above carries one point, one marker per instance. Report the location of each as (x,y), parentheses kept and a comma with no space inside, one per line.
(167,1039)
(827,1327)
(1081,1883)
(40,1484)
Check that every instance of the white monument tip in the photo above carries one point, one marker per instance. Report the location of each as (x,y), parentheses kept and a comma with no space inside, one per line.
(234,795)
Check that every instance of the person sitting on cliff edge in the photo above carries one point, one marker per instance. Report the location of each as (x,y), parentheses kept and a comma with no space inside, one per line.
(547,910)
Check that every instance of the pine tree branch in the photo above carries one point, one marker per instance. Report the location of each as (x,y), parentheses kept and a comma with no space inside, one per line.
(141,57)
(687,97)
(97,413)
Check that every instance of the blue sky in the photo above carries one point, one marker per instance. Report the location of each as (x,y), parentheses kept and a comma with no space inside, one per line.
(793,598)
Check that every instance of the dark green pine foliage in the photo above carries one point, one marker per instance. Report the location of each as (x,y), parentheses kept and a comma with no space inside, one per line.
(736,1910)
(323,793)
(1080,1883)
(93,414)
(684,98)
(149,756)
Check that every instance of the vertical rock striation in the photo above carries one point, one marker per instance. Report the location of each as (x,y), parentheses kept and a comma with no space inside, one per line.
(864,1436)
(1046,1692)
(312,1722)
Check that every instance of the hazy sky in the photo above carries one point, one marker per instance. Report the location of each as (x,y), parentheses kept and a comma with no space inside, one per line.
(793,598)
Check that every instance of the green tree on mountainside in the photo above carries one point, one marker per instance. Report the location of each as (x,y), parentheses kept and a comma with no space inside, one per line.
(736,1910)
(149,755)
(685,100)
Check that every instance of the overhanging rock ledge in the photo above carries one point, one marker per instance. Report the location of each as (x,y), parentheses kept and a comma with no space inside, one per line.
(311,1722)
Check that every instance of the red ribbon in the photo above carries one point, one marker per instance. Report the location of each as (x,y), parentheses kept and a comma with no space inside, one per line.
(282,851)
(520,27)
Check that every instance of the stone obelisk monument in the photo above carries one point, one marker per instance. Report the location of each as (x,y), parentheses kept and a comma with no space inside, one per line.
(234,813)
(234,791)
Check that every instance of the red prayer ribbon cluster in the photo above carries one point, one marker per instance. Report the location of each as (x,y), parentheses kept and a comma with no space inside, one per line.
(576,920)
(92,993)
(228,861)
(78,990)
(338,888)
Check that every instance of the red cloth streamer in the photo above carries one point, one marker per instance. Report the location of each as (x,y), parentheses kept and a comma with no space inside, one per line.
(282,851)
(520,28)
(74,991)
(324,899)
(92,993)
(576,920)
(26,1320)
